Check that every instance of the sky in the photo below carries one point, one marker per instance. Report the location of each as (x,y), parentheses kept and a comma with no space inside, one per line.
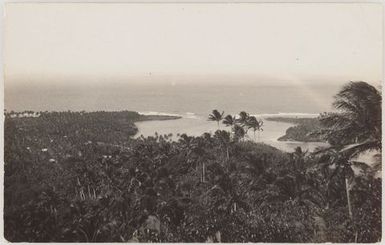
(291,44)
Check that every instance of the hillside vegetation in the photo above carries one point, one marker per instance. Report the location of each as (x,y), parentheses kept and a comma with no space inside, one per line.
(80,177)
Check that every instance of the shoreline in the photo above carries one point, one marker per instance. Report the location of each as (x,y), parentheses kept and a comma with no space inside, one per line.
(301,129)
(197,126)
(292,120)
(156,118)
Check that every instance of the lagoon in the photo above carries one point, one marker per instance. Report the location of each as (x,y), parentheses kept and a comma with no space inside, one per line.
(195,125)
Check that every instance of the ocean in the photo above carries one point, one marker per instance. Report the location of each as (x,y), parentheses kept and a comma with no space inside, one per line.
(193,102)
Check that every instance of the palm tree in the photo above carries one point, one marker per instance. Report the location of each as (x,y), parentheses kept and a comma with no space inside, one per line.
(342,168)
(243,116)
(188,145)
(195,153)
(355,128)
(358,120)
(253,123)
(216,116)
(224,140)
(239,132)
(229,121)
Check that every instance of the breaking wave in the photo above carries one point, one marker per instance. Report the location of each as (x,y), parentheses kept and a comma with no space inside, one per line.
(190,115)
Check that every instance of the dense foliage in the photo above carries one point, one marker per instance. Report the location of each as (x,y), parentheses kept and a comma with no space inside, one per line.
(240,124)
(79,177)
(358,119)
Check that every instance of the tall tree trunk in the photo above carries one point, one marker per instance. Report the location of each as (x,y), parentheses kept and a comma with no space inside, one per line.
(348,198)
(350,206)
(203,172)
(227,153)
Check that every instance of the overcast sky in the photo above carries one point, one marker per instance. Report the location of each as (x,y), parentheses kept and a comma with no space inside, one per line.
(275,43)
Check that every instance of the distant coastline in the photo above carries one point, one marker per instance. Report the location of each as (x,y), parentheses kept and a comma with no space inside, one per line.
(301,131)
(304,124)
(119,125)
(157,117)
(137,115)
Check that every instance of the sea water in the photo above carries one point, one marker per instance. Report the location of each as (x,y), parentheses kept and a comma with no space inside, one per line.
(195,125)
(193,102)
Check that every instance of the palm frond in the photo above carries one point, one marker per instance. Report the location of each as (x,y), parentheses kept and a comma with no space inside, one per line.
(355,149)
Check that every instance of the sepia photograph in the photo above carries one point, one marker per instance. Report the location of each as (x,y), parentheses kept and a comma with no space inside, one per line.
(193,122)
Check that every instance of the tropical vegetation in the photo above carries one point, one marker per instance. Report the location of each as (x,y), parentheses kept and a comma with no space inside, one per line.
(83,177)
(303,129)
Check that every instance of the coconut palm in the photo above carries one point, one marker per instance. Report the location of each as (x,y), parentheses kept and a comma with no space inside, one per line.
(239,132)
(358,119)
(355,128)
(224,140)
(195,153)
(342,168)
(253,123)
(216,116)
(229,121)
(243,116)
